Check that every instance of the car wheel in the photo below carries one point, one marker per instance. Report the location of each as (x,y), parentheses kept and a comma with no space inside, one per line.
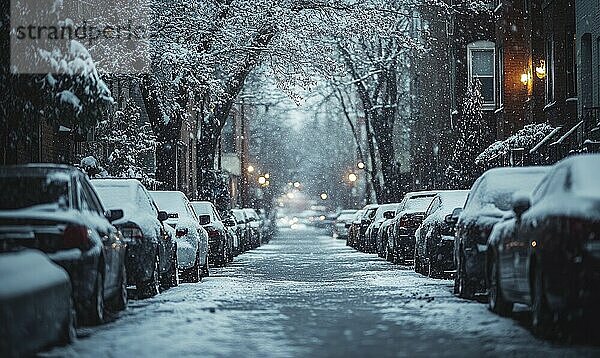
(69,331)
(172,277)
(464,288)
(192,274)
(119,302)
(417,262)
(496,302)
(205,269)
(95,315)
(150,288)
(541,316)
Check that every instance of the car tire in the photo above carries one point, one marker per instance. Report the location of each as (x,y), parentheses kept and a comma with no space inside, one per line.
(172,276)
(119,302)
(205,269)
(542,322)
(151,287)
(464,287)
(192,275)
(496,302)
(417,262)
(95,315)
(69,329)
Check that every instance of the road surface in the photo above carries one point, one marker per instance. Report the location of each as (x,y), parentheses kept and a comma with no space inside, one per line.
(306,295)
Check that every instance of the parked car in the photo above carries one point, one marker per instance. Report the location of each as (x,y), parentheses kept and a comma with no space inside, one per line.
(55,209)
(151,259)
(434,246)
(361,225)
(190,236)
(231,229)
(244,231)
(489,200)
(546,254)
(383,234)
(255,225)
(36,305)
(221,245)
(383,213)
(353,227)
(401,238)
(340,231)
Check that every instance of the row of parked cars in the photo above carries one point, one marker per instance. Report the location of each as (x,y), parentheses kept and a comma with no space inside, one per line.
(528,235)
(108,235)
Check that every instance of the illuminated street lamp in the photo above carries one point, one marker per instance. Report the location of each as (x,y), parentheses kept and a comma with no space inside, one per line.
(290,195)
(324,196)
(250,169)
(267,183)
(262,180)
(352,177)
(296,184)
(267,175)
(360,165)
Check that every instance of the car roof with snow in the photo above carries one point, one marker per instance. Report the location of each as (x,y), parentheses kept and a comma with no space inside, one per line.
(494,189)
(172,202)
(385,207)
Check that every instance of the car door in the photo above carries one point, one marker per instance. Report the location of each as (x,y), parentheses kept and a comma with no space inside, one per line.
(526,232)
(113,250)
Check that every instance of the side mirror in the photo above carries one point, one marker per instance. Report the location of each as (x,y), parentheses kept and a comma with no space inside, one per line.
(228,222)
(452,219)
(389,215)
(113,214)
(520,204)
(162,215)
(204,219)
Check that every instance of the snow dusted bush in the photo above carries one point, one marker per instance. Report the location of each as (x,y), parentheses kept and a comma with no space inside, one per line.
(525,138)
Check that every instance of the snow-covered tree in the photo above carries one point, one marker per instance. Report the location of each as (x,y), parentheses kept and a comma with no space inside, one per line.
(470,130)
(129,141)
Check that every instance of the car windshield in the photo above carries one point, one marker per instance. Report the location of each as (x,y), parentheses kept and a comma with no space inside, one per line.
(42,192)
(203,208)
(171,202)
(497,189)
(418,203)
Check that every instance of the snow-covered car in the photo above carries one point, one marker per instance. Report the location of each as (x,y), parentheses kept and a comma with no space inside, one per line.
(221,244)
(383,213)
(548,254)
(359,227)
(382,237)
(340,231)
(190,236)
(353,225)
(434,245)
(151,252)
(255,225)
(232,231)
(244,231)
(55,209)
(489,200)
(36,305)
(401,240)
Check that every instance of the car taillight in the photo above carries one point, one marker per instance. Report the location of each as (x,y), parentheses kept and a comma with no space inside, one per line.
(132,233)
(181,232)
(76,236)
(213,233)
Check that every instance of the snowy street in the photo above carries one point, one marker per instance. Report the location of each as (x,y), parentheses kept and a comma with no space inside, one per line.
(306,294)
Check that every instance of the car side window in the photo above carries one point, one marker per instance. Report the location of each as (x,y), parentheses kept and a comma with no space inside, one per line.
(93,201)
(435,204)
(539,190)
(216,214)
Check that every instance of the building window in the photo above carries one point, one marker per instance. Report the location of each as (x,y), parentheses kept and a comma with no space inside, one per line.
(501,76)
(480,58)
(550,70)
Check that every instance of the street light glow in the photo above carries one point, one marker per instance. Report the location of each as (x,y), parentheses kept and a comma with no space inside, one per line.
(262,180)
(360,165)
(296,184)
(352,177)
(250,169)
(324,196)
(267,175)
(290,195)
